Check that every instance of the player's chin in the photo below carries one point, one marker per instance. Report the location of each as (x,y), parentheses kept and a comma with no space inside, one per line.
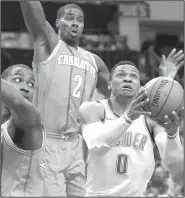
(127,93)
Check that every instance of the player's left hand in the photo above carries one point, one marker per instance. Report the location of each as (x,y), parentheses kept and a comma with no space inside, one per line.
(172,122)
(170,66)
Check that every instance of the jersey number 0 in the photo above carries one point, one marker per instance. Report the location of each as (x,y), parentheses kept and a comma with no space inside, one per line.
(121,164)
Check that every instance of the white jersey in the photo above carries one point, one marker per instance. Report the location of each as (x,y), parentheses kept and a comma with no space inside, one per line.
(22,170)
(127,167)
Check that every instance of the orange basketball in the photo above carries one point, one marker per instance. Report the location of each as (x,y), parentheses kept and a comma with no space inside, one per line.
(165,95)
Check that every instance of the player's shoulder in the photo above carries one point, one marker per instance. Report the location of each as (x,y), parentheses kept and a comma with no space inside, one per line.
(86,106)
(91,108)
(100,63)
(95,56)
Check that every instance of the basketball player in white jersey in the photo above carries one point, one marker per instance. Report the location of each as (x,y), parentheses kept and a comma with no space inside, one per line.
(120,138)
(22,136)
(66,76)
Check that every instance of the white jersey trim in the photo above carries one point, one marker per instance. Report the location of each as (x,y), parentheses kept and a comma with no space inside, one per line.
(9,141)
(51,56)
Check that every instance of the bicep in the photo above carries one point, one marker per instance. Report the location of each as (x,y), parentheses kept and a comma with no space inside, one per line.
(45,43)
(26,117)
(103,76)
(92,126)
(50,36)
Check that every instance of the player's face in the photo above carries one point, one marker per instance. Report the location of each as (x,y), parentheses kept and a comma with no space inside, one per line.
(23,80)
(71,25)
(125,81)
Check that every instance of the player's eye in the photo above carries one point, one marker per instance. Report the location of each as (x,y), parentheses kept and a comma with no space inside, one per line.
(31,84)
(120,74)
(80,20)
(134,76)
(17,80)
(69,17)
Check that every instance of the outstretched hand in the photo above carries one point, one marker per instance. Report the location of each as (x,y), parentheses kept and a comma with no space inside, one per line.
(138,102)
(170,66)
(172,122)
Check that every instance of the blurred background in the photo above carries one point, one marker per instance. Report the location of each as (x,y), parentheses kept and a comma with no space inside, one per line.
(139,31)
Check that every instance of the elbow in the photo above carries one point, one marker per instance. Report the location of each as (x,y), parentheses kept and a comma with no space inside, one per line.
(176,169)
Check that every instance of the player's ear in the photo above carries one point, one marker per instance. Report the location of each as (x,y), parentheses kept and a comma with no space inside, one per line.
(109,85)
(57,23)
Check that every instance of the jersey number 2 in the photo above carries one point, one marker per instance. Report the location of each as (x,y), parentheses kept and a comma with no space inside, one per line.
(76,92)
(121,164)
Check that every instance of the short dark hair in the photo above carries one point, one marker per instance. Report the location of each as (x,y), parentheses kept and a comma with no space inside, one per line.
(61,10)
(125,62)
(6,73)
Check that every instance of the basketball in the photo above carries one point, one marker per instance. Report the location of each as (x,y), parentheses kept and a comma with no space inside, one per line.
(165,95)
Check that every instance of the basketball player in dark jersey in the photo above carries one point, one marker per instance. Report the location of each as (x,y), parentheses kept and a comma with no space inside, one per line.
(66,76)
(22,136)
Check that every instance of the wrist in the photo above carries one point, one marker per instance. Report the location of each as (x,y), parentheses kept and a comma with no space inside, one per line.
(174,142)
(172,134)
(127,119)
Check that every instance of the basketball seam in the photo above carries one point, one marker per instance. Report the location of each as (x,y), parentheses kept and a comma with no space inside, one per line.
(165,101)
(151,92)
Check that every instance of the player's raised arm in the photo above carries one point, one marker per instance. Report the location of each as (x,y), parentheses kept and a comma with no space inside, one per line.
(24,114)
(103,76)
(99,136)
(170,66)
(40,30)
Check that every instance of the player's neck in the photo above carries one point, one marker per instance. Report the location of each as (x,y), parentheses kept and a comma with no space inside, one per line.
(71,42)
(119,105)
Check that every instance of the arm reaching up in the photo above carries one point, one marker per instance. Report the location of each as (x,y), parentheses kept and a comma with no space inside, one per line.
(42,33)
(170,66)
(103,76)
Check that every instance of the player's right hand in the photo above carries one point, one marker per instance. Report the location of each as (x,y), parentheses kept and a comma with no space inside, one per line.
(138,102)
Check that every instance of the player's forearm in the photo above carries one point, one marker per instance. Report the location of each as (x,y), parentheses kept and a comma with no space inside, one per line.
(34,17)
(10,96)
(114,131)
(173,157)
(106,135)
(172,143)
(175,165)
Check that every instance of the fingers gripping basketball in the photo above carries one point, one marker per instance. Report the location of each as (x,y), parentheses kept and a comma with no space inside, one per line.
(165,95)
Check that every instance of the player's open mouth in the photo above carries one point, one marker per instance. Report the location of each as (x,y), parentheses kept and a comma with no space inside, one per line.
(25,95)
(74,31)
(127,87)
